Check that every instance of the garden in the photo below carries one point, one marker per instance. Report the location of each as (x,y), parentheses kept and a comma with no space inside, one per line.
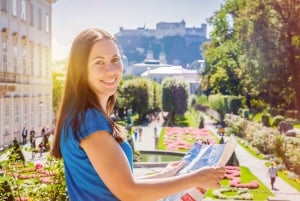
(30,181)
(238,183)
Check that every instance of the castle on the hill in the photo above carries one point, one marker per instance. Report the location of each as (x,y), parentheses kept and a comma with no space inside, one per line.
(180,44)
(164,29)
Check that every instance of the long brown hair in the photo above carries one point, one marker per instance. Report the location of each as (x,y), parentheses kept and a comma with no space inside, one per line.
(78,96)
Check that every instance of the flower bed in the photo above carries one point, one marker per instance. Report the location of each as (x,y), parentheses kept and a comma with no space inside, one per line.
(241,193)
(236,190)
(233,174)
(183,137)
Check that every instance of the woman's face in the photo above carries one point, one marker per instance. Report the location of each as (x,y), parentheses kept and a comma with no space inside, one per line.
(104,69)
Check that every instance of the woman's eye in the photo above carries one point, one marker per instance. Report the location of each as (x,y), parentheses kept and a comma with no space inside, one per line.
(99,62)
(115,60)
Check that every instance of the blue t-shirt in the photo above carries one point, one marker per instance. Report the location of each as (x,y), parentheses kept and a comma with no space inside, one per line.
(83,182)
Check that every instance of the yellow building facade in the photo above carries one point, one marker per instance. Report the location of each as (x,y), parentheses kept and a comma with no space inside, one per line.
(25,68)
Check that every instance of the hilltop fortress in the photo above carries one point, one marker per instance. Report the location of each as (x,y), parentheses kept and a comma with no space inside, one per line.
(180,44)
(164,29)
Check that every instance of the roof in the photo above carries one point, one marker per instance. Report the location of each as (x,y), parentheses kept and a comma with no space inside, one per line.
(169,70)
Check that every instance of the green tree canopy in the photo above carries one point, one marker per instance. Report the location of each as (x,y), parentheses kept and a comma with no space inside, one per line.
(174,97)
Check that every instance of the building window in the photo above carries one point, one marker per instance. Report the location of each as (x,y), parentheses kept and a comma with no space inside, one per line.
(47,60)
(40,19)
(4,57)
(47,23)
(14,66)
(3,5)
(23,10)
(6,115)
(31,58)
(14,7)
(15,57)
(31,14)
(25,112)
(24,58)
(40,60)
(33,112)
(17,127)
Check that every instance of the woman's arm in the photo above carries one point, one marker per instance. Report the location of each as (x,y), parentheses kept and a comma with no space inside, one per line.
(112,166)
(169,171)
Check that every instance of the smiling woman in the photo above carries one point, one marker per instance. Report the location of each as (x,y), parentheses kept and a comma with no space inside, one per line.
(104,71)
(98,160)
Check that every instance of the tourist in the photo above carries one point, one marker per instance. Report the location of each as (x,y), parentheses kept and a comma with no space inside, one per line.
(135,133)
(98,160)
(140,131)
(32,135)
(33,147)
(272,172)
(41,147)
(155,136)
(24,135)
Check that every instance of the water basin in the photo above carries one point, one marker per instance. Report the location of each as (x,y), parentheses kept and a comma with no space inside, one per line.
(160,156)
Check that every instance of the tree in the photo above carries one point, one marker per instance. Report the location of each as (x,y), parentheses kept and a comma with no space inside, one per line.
(58,83)
(223,72)
(255,47)
(137,94)
(174,97)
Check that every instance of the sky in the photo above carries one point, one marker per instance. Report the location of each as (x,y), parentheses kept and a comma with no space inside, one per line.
(69,17)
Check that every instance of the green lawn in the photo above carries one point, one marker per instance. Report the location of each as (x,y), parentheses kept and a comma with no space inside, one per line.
(297,126)
(261,193)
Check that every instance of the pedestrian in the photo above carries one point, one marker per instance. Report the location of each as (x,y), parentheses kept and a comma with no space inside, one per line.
(272,172)
(32,135)
(41,147)
(33,147)
(98,161)
(24,135)
(155,136)
(43,131)
(140,131)
(136,132)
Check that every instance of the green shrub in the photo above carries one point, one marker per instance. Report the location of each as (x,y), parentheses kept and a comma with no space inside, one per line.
(244,113)
(258,105)
(235,103)
(265,119)
(277,119)
(216,102)
(5,191)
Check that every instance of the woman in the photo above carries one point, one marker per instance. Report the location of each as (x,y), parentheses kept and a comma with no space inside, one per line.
(97,159)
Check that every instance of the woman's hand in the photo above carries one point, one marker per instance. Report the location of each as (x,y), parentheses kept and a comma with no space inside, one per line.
(208,177)
(172,168)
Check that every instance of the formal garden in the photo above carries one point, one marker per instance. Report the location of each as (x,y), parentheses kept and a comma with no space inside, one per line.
(26,180)
(23,180)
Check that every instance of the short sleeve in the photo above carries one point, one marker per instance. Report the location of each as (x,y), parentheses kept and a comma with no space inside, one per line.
(94,121)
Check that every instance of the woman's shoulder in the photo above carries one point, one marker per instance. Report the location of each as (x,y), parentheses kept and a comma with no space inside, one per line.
(93,113)
(94,120)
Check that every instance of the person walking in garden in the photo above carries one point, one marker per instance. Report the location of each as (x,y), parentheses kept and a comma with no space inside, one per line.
(41,147)
(98,160)
(33,147)
(140,131)
(135,133)
(24,135)
(155,136)
(272,173)
(32,135)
